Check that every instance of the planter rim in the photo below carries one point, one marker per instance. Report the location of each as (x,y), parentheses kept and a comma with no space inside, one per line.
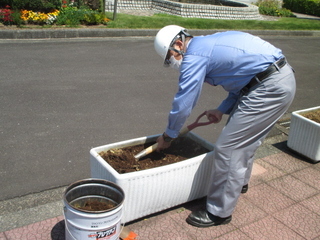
(298,114)
(142,173)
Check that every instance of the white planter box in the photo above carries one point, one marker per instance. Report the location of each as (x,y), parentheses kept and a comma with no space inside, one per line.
(304,135)
(152,190)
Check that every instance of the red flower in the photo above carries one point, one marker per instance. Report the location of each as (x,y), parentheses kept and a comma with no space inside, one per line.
(64,3)
(5,15)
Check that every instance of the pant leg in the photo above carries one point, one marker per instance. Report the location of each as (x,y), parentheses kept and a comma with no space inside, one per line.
(253,118)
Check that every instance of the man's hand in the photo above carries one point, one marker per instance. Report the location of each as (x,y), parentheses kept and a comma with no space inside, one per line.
(162,144)
(214,115)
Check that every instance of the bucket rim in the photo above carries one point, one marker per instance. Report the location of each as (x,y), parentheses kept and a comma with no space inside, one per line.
(98,181)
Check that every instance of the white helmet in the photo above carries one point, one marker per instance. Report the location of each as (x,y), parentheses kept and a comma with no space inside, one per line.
(165,37)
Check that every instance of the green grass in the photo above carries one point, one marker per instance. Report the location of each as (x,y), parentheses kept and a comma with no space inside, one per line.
(160,20)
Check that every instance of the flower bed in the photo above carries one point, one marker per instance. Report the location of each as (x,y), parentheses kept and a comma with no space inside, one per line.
(67,15)
(32,17)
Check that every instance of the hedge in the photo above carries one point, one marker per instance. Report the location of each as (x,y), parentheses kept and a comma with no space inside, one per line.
(35,5)
(311,7)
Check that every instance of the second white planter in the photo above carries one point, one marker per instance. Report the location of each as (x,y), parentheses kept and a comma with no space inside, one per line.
(153,190)
(304,135)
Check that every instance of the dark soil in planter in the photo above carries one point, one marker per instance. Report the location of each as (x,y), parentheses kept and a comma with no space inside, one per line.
(93,204)
(123,161)
(312,115)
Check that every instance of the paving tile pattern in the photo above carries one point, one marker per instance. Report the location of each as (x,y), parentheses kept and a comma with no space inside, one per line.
(283,202)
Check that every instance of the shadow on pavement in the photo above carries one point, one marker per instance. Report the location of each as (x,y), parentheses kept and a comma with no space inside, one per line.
(58,231)
(282,146)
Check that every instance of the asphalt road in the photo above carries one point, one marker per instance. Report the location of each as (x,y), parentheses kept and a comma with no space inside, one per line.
(60,98)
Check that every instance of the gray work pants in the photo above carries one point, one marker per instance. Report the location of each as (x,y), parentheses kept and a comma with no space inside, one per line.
(249,123)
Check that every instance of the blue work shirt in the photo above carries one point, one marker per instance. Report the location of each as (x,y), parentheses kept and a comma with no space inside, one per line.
(229,59)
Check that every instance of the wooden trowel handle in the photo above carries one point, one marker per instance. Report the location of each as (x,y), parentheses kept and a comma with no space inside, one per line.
(150,149)
(146,151)
(184,131)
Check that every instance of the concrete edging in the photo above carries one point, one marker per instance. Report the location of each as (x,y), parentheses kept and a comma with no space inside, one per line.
(96,33)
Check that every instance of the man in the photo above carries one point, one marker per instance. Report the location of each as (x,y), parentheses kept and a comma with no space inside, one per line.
(261,87)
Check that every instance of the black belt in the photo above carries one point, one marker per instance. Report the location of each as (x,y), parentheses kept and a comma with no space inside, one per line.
(263,75)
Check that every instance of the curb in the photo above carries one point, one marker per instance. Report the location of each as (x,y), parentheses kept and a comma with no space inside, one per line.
(99,33)
(73,33)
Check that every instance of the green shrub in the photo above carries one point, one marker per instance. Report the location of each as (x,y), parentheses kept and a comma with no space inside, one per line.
(93,18)
(273,8)
(311,7)
(16,18)
(268,7)
(69,16)
(286,12)
(73,16)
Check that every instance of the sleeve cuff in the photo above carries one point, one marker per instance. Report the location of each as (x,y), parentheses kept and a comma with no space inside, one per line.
(172,133)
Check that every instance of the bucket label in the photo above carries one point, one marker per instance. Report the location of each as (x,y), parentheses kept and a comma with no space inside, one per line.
(105,222)
(105,234)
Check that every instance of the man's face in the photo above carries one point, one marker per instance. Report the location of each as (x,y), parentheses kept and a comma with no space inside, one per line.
(175,54)
(178,45)
(174,57)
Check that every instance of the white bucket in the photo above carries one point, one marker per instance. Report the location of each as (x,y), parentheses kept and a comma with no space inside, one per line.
(93,224)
